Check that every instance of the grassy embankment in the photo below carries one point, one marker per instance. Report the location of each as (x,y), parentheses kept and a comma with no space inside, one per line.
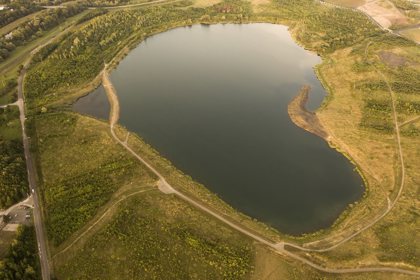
(350,115)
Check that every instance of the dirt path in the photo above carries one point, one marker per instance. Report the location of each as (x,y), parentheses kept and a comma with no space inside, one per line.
(279,248)
(412,120)
(391,204)
(100,219)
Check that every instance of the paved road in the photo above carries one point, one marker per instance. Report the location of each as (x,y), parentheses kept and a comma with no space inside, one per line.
(37,215)
(165,187)
(26,202)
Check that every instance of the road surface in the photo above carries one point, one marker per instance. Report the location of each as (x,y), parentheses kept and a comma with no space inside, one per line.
(39,226)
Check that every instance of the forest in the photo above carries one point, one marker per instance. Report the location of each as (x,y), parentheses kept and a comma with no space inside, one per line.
(33,28)
(22,259)
(17,10)
(13,179)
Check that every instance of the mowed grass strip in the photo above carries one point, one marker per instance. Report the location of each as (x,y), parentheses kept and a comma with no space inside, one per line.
(158,236)
(81,168)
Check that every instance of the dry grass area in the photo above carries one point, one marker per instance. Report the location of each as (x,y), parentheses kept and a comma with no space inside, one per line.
(412,34)
(158,236)
(205,3)
(373,153)
(385,13)
(392,240)
(347,3)
(6,238)
(259,5)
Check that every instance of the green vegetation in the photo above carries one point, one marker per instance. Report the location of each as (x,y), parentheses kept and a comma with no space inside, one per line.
(6,88)
(17,10)
(82,169)
(6,238)
(92,173)
(404,4)
(154,236)
(22,260)
(13,181)
(34,28)
(80,57)
(92,14)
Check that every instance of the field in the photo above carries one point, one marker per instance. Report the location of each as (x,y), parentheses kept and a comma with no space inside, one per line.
(413,34)
(164,239)
(93,165)
(102,208)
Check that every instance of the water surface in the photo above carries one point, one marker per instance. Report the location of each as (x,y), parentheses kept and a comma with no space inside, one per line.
(213,100)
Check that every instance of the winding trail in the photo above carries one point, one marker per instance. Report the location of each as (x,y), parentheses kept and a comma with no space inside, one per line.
(279,248)
(412,120)
(392,203)
(99,219)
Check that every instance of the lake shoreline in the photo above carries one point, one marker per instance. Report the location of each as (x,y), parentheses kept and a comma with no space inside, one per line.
(125,51)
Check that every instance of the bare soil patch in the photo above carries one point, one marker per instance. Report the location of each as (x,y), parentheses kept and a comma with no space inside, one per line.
(392,59)
(304,118)
(384,13)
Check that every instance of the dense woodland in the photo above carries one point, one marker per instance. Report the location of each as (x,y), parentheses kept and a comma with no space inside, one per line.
(33,28)
(107,3)
(82,55)
(13,179)
(17,10)
(22,260)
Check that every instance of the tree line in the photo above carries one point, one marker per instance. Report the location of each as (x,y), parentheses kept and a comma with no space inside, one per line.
(22,260)
(16,10)
(34,28)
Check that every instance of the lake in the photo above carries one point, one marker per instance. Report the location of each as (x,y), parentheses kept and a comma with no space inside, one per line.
(213,100)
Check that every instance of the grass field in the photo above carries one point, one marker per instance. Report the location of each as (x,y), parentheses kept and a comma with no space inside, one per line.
(93,165)
(9,124)
(154,236)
